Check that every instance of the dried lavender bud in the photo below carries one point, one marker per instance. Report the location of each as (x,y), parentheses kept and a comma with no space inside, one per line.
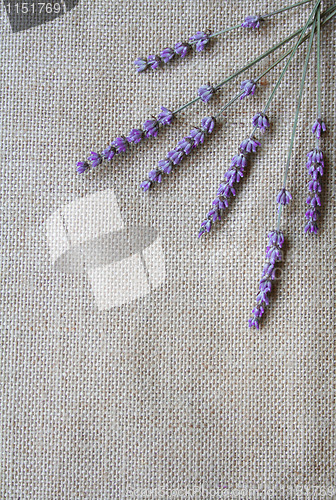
(265,284)
(201,40)
(167,54)
(151,128)
(165,117)
(315,186)
(313,213)
(273,253)
(153,61)
(95,159)
(315,156)
(249,145)
(239,159)
(311,227)
(182,49)
(145,185)
(276,237)
(251,22)
(319,127)
(82,166)
(135,135)
(249,87)
(155,175)
(258,311)
(176,156)
(313,200)
(141,64)
(253,322)
(208,124)
(215,214)
(315,169)
(269,270)
(197,134)
(186,144)
(206,92)
(260,120)
(263,297)
(120,144)
(109,152)
(221,202)
(284,197)
(166,165)
(234,174)
(226,190)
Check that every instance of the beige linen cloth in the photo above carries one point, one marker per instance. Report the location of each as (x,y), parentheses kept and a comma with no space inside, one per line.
(128,370)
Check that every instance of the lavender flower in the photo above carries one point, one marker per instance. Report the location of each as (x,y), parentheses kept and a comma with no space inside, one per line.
(186,144)
(145,185)
(311,227)
(109,153)
(215,214)
(251,22)
(198,135)
(240,160)
(201,40)
(165,117)
(135,135)
(182,49)
(315,156)
(284,197)
(273,254)
(249,145)
(166,165)
(315,186)
(95,159)
(155,175)
(313,200)
(167,54)
(176,156)
(249,87)
(313,213)
(120,144)
(206,92)
(151,127)
(315,169)
(82,166)
(260,120)
(234,174)
(141,64)
(153,61)
(208,124)
(319,127)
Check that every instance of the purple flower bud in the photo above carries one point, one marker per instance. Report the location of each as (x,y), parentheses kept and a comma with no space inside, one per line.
(315,169)
(250,145)
(215,214)
(198,135)
(109,152)
(319,127)
(165,117)
(201,232)
(284,197)
(95,159)
(248,86)
(260,120)
(253,322)
(176,156)
(166,165)
(185,145)
(167,54)
(151,128)
(273,254)
(276,238)
(234,175)
(269,270)
(315,156)
(155,175)
(227,190)
(251,22)
(311,227)
(313,200)
(208,124)
(135,135)
(201,40)
(258,311)
(153,61)
(221,203)
(182,49)
(315,186)
(265,285)
(120,144)
(240,160)
(141,64)
(207,225)
(205,92)
(82,166)
(263,297)
(145,185)
(312,213)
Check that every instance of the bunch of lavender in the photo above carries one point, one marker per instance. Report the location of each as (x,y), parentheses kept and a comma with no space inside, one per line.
(260,123)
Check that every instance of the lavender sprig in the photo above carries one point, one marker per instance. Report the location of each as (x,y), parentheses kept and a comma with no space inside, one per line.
(174,157)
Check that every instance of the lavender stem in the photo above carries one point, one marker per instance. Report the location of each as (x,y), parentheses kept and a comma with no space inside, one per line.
(285,8)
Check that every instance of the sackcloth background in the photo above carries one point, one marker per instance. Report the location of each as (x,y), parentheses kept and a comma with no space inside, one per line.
(170,391)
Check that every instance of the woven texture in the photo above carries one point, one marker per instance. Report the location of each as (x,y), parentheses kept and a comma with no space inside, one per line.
(141,379)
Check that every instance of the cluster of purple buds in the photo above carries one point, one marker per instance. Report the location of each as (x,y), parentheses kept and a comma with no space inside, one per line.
(226,189)
(319,127)
(184,147)
(284,197)
(181,49)
(150,128)
(252,22)
(273,255)
(315,166)
(260,120)
(249,87)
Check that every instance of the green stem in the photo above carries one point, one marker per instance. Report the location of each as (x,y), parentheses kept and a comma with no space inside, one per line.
(285,8)
(234,99)
(304,72)
(318,61)
(225,31)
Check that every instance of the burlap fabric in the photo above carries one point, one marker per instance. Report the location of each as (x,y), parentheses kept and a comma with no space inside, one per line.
(162,391)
